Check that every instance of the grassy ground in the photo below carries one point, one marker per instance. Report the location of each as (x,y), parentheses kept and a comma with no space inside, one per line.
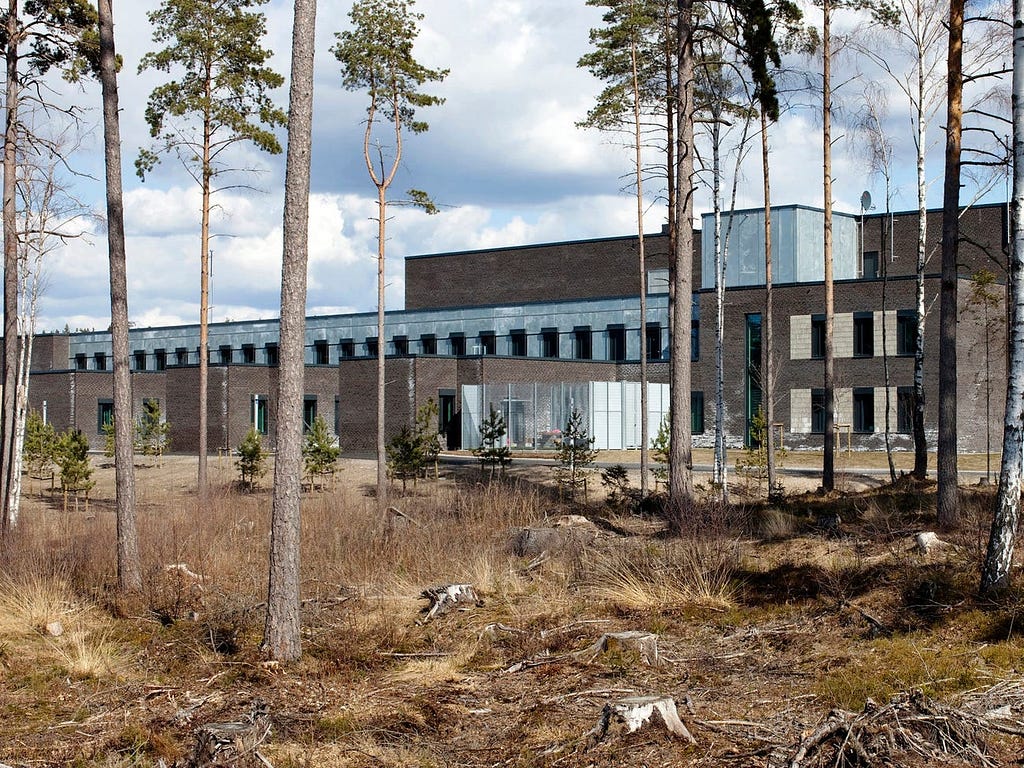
(767,619)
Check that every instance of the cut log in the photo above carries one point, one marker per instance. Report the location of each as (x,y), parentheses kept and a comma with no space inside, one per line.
(928,542)
(629,715)
(644,643)
(448,596)
(234,743)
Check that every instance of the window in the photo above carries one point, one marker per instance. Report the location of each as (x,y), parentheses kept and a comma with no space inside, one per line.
(697,413)
(180,356)
(249,354)
(869,264)
(817,337)
(401,345)
(160,359)
(321,355)
(139,360)
(346,348)
(259,413)
(905,410)
(100,360)
(272,354)
(308,412)
(81,362)
(616,343)
(863,409)
(657,281)
(695,340)
(488,343)
(104,414)
(225,354)
(517,343)
(817,411)
(457,344)
(371,346)
(582,343)
(428,344)
(906,332)
(863,334)
(652,337)
(549,342)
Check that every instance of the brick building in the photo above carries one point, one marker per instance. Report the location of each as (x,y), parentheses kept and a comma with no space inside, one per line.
(533,330)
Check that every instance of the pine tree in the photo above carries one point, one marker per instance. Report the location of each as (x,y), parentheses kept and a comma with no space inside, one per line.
(320,452)
(220,98)
(493,450)
(153,431)
(427,434)
(405,456)
(575,453)
(75,468)
(40,447)
(252,459)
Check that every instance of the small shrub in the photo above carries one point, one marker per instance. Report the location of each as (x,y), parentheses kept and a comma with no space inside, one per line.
(320,452)
(152,433)
(404,456)
(252,459)
(575,453)
(75,468)
(493,451)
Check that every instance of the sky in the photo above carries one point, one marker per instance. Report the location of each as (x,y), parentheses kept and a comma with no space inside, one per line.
(503,159)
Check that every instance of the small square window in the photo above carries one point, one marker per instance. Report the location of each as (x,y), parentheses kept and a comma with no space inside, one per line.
(346,348)
(863,334)
(906,332)
(272,354)
(139,360)
(81,362)
(817,337)
(817,411)
(180,356)
(225,354)
(371,346)
(517,343)
(582,341)
(549,342)
(249,354)
(100,361)
(321,354)
(401,345)
(457,344)
(488,343)
(428,344)
(863,409)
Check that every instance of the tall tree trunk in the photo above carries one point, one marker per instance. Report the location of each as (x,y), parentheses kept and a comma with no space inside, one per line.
(768,356)
(884,263)
(204,302)
(10,308)
(996,570)
(642,257)
(281,637)
(920,441)
(680,452)
(716,195)
(382,476)
(946,499)
(129,574)
(828,477)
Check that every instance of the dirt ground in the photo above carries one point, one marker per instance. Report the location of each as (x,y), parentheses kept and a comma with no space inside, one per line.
(808,633)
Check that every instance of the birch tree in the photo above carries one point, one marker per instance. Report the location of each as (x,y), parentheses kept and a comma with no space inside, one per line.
(42,36)
(281,634)
(220,97)
(998,563)
(129,571)
(376,56)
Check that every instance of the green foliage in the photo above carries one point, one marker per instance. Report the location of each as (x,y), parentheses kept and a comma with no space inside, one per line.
(152,433)
(62,34)
(493,451)
(40,449)
(376,56)
(319,452)
(575,453)
(252,459)
(754,462)
(108,439)
(620,493)
(72,457)
(223,85)
(661,448)
(404,456)
(427,435)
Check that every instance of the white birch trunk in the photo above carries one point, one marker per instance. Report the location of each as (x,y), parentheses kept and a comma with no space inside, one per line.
(719,467)
(999,557)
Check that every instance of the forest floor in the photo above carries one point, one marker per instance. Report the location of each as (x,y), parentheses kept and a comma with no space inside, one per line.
(808,632)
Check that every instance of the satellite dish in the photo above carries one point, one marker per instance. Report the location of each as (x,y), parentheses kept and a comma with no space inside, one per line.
(865,201)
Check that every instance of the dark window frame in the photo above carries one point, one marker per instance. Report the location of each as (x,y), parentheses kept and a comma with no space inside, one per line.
(697,412)
(517,343)
(400,344)
(617,349)
(428,344)
(321,352)
(582,343)
(864,334)
(906,332)
(488,342)
(100,361)
(817,337)
(309,412)
(457,344)
(160,359)
(904,410)
(817,411)
(249,354)
(863,421)
(272,354)
(653,342)
(225,354)
(104,413)
(549,343)
(346,348)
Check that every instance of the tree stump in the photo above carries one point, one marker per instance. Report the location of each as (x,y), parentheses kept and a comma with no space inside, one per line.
(644,643)
(234,743)
(629,715)
(445,597)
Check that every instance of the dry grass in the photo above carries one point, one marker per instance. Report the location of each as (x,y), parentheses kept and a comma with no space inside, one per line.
(753,606)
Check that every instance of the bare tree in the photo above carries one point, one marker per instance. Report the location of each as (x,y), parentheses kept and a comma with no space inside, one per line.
(998,563)
(281,635)
(129,573)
